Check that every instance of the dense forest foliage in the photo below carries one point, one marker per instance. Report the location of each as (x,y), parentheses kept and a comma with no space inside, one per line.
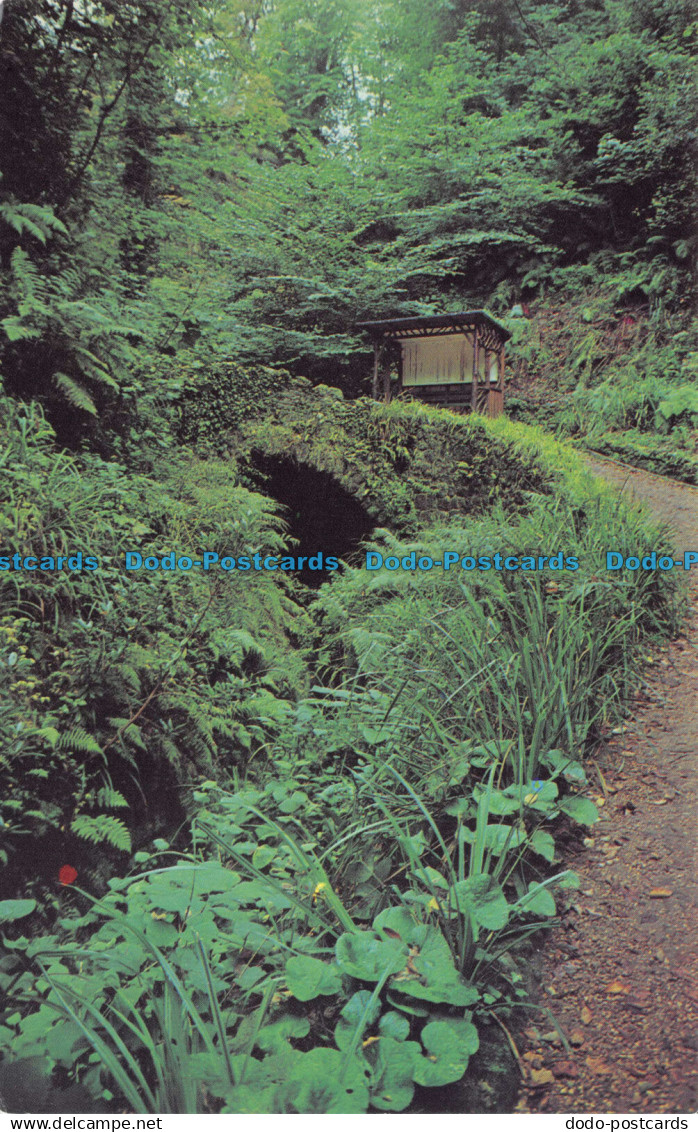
(188,183)
(272,846)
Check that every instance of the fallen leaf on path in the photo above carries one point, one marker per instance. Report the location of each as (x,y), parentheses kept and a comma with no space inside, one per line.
(540,1077)
(617,988)
(585,1015)
(598,1066)
(660,893)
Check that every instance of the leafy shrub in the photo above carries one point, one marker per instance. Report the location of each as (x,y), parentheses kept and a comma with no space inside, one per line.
(117,686)
(202,980)
(216,400)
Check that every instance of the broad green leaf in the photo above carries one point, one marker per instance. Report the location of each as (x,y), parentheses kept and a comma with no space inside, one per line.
(543,844)
(323,1081)
(484,898)
(264,855)
(581,810)
(502,838)
(449,1046)
(538,795)
(308,977)
(394,1025)
(16,909)
(163,934)
(455,993)
(392,1080)
(360,1012)
(363,956)
(560,763)
(501,802)
(275,1036)
(538,900)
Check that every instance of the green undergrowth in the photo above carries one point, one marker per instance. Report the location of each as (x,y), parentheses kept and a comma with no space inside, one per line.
(118,687)
(655,453)
(603,371)
(372,817)
(209,399)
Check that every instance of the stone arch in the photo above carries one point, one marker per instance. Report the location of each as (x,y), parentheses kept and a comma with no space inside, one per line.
(322,515)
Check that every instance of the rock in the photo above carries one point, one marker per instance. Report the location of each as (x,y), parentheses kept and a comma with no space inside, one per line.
(541,1077)
(566,1069)
(617,987)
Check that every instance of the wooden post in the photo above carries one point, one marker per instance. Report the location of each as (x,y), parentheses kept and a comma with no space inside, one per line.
(386,377)
(486,385)
(476,359)
(376,363)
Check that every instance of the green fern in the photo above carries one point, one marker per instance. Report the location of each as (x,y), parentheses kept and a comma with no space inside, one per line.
(36,219)
(102,828)
(110,798)
(75,393)
(78,740)
(129,731)
(88,338)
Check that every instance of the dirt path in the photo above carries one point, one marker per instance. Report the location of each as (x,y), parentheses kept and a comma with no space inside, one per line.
(620,972)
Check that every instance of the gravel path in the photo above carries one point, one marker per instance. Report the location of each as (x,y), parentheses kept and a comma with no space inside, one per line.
(620,972)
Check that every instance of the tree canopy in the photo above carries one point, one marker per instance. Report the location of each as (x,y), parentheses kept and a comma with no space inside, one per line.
(188,181)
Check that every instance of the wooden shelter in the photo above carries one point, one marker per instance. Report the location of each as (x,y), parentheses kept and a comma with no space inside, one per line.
(452,360)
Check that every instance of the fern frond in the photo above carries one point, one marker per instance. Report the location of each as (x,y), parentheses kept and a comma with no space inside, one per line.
(102,828)
(171,751)
(110,798)
(131,731)
(95,368)
(36,219)
(16,330)
(126,674)
(75,393)
(78,740)
(27,276)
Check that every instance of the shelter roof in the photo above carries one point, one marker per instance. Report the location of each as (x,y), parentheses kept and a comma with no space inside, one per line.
(417,326)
